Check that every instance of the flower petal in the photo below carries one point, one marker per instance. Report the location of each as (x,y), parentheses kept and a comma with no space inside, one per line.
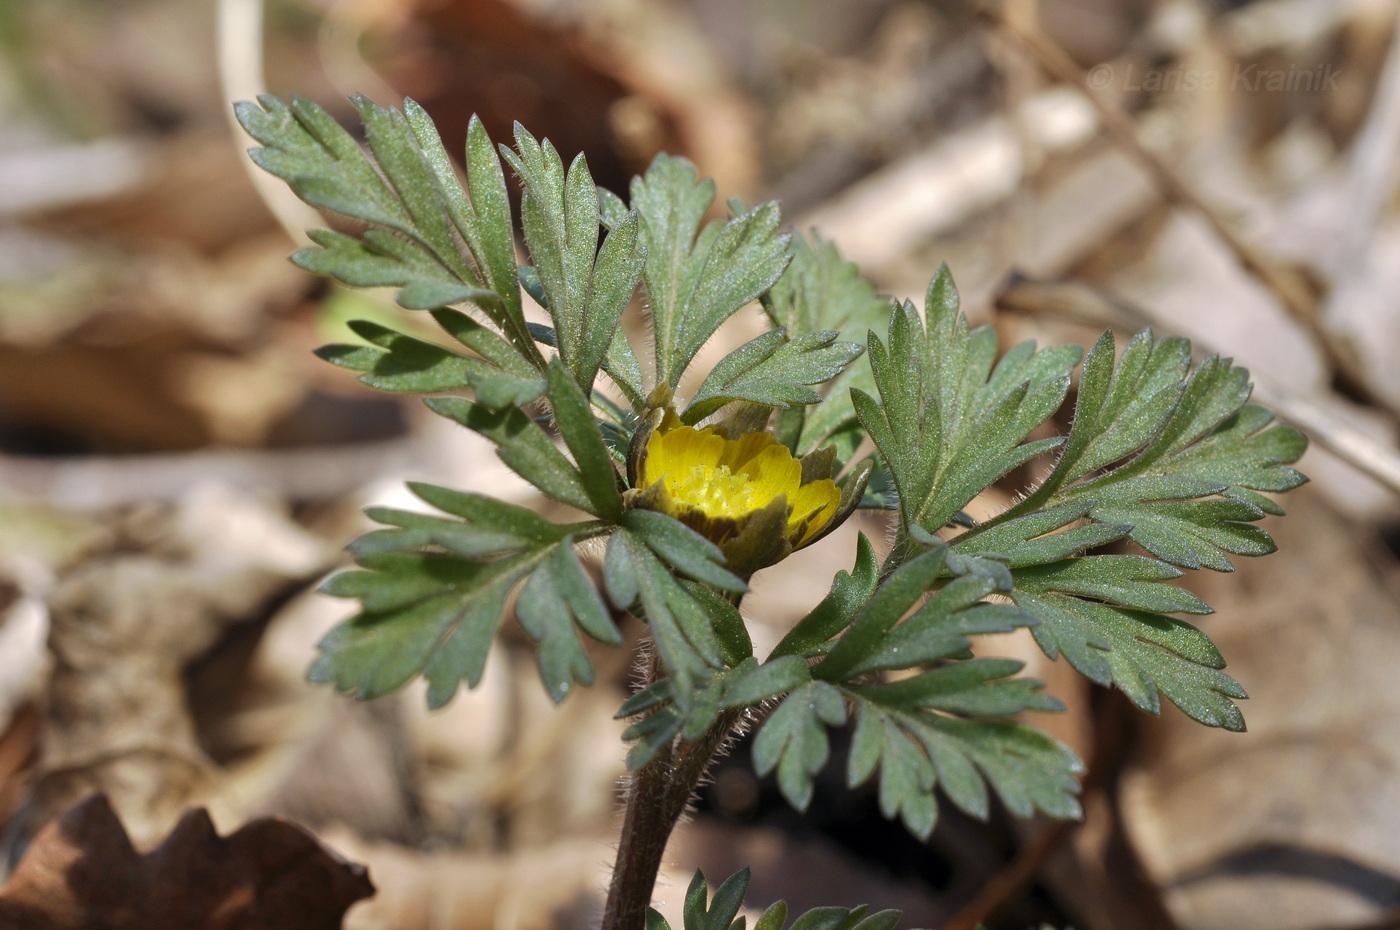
(677,451)
(741,451)
(773,471)
(813,506)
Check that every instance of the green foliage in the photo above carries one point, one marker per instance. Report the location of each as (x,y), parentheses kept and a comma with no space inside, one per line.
(432,591)
(774,371)
(947,726)
(822,291)
(1174,459)
(395,362)
(722,911)
(697,278)
(952,418)
(1164,458)
(585,292)
(410,198)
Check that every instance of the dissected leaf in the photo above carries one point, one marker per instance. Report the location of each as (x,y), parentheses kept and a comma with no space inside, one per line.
(523,446)
(1139,651)
(433,592)
(1174,459)
(557,601)
(820,291)
(696,279)
(581,434)
(774,371)
(878,615)
(638,580)
(915,750)
(400,363)
(949,422)
(849,592)
(793,739)
(584,286)
(411,199)
(722,910)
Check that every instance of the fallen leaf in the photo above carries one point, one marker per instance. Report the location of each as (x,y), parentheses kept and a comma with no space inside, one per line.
(126,622)
(81,872)
(1294,824)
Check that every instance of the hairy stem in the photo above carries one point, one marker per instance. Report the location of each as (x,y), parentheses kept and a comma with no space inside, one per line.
(657,795)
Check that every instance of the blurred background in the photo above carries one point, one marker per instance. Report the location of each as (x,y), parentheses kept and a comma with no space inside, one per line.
(177,471)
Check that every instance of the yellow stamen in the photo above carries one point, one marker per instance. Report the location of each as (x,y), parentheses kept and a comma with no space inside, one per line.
(715,483)
(714,490)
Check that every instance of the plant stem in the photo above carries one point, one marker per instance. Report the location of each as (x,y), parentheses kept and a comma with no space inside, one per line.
(657,795)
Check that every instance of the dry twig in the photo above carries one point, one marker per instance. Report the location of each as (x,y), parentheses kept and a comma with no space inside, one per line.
(1287,287)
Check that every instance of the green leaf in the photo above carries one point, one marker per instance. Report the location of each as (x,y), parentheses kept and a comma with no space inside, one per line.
(558,599)
(695,279)
(949,422)
(774,371)
(820,291)
(1193,533)
(1140,651)
(916,749)
(849,592)
(1031,540)
(434,615)
(733,634)
(417,530)
(941,627)
(868,631)
(685,637)
(399,363)
(523,446)
(380,259)
(581,434)
(623,368)
(433,591)
(585,287)
(793,739)
(1171,438)
(975,687)
(1126,580)
(690,553)
(689,707)
(722,911)
(482,219)
(1173,459)
(487,512)
(411,199)
(751,683)
(651,734)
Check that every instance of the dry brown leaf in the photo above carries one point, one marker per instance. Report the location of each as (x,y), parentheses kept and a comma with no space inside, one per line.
(82,873)
(540,888)
(126,623)
(1294,824)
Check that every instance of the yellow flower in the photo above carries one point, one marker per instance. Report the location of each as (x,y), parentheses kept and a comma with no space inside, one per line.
(748,495)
